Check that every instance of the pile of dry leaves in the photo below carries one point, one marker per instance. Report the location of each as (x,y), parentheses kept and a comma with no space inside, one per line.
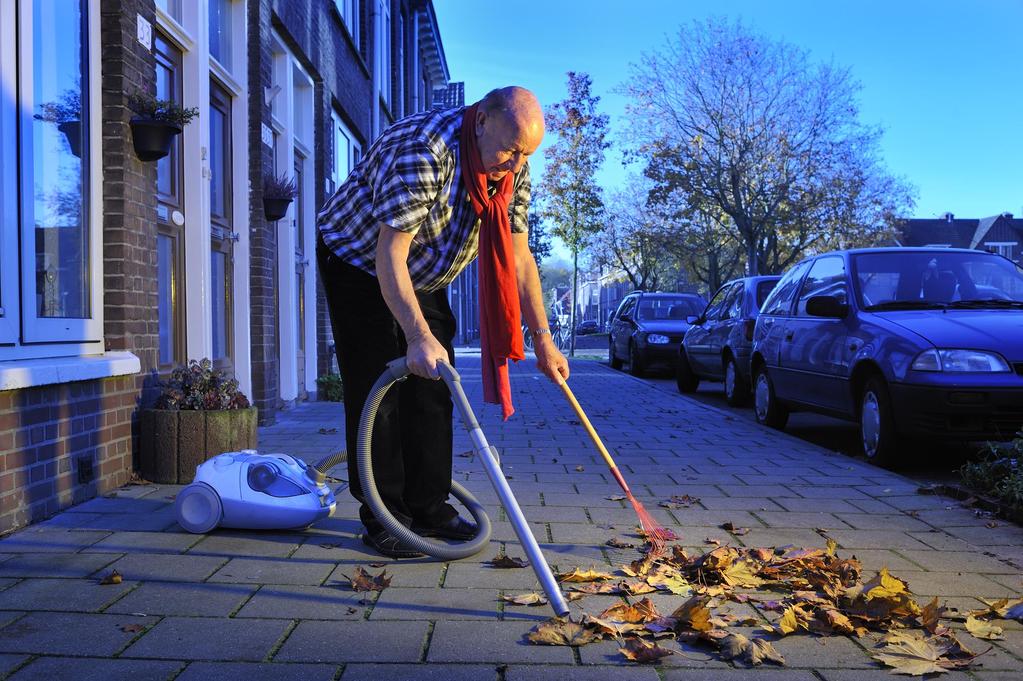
(825,595)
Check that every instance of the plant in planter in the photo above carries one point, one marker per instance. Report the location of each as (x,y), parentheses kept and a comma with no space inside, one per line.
(278,193)
(155,124)
(331,389)
(199,413)
(66,113)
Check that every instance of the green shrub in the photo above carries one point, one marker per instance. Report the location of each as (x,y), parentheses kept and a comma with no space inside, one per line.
(330,388)
(198,385)
(998,473)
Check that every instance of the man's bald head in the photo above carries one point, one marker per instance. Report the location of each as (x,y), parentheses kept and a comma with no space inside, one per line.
(509,127)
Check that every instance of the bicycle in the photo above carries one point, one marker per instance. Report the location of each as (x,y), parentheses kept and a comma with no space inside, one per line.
(559,335)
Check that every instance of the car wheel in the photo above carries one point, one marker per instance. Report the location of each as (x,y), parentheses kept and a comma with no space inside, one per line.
(877,424)
(766,407)
(736,388)
(612,358)
(685,379)
(636,367)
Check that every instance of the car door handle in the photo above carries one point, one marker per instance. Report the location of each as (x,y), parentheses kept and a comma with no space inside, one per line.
(789,335)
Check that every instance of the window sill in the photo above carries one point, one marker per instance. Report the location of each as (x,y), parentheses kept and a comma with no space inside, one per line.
(33,372)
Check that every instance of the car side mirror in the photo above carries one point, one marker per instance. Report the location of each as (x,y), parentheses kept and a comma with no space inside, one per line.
(694,319)
(827,306)
(626,317)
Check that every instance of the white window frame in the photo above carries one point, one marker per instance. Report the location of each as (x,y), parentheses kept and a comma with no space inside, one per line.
(352,154)
(384,45)
(349,11)
(25,335)
(1003,248)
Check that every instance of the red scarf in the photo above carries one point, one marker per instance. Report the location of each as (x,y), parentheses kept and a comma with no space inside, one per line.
(500,314)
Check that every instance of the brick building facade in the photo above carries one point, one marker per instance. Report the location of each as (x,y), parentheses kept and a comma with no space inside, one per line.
(113,270)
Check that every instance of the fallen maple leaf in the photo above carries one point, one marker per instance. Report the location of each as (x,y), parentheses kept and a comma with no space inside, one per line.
(619,543)
(750,651)
(638,650)
(730,527)
(641,612)
(580,469)
(363,581)
(616,497)
(983,629)
(133,628)
(694,614)
(577,575)
(558,631)
(910,653)
(532,598)
(113,578)
(505,562)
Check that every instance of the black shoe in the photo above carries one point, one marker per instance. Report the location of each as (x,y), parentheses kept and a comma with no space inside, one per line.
(386,544)
(457,528)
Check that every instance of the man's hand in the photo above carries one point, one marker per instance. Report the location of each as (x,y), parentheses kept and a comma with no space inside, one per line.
(424,351)
(549,359)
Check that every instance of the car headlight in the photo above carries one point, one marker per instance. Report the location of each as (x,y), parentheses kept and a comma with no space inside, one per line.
(656,339)
(938,359)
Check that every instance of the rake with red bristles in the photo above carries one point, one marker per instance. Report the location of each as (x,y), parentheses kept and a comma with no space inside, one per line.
(655,534)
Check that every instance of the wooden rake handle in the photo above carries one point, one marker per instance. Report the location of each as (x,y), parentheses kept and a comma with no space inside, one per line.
(586,424)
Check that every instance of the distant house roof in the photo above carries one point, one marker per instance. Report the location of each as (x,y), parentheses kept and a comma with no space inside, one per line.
(956,232)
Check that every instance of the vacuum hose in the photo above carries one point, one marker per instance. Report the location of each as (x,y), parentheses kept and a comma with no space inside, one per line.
(398,371)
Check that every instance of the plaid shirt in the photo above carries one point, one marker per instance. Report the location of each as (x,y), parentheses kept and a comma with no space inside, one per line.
(411,180)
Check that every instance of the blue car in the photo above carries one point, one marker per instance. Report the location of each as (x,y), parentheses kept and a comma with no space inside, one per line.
(910,342)
(719,342)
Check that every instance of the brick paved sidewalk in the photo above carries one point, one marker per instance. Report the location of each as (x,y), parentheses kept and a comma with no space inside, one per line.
(276,605)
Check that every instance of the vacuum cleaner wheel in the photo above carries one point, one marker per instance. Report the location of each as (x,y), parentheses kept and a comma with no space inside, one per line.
(198,507)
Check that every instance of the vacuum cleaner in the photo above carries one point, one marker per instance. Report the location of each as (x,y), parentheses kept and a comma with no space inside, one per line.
(275,491)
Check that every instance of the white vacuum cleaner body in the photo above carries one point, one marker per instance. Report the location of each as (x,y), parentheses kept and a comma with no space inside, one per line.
(253,491)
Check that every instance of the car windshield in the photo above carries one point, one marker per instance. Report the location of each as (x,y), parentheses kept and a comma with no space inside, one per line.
(932,279)
(667,307)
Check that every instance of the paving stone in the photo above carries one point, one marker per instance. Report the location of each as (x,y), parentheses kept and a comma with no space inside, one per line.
(874,539)
(66,521)
(876,521)
(937,539)
(850,494)
(270,571)
(149,504)
(496,642)
(121,522)
(759,673)
(200,638)
(1001,535)
(774,492)
(49,540)
(958,561)
(184,599)
(96,669)
(820,652)
(401,573)
(875,559)
(954,584)
(419,672)
(249,671)
(248,544)
(561,514)
(478,575)
(754,504)
(564,557)
(354,642)
(307,603)
(800,519)
(55,565)
(143,542)
(65,633)
(165,568)
(70,595)
(557,672)
(782,537)
(436,604)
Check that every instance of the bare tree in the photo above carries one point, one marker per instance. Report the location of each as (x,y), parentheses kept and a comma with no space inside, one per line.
(748,127)
(632,239)
(573,200)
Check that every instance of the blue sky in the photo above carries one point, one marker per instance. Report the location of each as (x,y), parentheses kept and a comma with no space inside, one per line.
(943,79)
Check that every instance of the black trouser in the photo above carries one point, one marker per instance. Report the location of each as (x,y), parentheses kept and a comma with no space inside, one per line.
(412,436)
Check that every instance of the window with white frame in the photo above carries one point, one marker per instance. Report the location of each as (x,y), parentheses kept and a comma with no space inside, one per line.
(221,27)
(349,11)
(1003,248)
(221,222)
(345,152)
(50,241)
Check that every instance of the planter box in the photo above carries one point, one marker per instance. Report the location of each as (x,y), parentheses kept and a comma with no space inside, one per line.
(174,442)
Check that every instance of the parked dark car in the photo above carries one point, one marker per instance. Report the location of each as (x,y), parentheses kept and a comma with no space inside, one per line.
(647,327)
(719,343)
(586,327)
(910,342)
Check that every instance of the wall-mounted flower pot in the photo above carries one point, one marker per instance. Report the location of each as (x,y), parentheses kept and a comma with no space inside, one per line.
(73,133)
(275,209)
(152,139)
